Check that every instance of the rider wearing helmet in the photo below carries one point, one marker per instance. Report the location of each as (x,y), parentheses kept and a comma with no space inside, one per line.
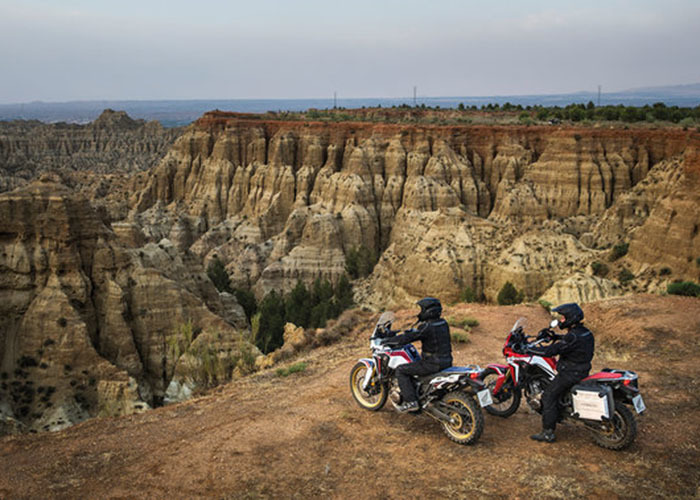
(575,350)
(434,334)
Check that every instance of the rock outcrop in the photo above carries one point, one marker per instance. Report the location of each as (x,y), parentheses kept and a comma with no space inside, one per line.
(89,326)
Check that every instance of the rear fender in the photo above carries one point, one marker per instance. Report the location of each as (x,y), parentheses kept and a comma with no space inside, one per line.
(475,384)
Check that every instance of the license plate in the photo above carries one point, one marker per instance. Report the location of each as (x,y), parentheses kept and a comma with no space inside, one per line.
(638,403)
(484,398)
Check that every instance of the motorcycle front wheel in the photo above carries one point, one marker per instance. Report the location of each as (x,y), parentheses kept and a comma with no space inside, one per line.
(620,432)
(374,397)
(507,401)
(467,419)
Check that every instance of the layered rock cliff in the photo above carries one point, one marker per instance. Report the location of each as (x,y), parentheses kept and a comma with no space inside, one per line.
(445,207)
(91,327)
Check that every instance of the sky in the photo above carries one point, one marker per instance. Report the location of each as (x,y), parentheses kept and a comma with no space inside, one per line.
(63,50)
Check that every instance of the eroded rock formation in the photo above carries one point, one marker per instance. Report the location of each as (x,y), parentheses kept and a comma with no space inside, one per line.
(92,327)
(114,143)
(445,207)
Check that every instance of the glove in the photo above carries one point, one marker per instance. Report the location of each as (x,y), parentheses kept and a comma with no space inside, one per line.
(545,333)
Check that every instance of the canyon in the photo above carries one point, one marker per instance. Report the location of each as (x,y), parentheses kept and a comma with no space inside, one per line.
(106,231)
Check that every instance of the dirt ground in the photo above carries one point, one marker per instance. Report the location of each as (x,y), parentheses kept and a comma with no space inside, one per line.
(303,436)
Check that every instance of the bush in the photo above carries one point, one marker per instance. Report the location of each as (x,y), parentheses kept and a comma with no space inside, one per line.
(509,295)
(600,269)
(697,261)
(468,295)
(295,368)
(460,337)
(625,276)
(664,271)
(687,288)
(687,122)
(470,322)
(619,251)
(547,305)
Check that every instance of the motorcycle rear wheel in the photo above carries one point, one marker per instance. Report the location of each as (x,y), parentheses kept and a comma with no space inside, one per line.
(507,401)
(469,421)
(372,400)
(620,432)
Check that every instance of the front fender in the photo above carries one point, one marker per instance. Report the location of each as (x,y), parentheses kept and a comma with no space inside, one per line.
(502,371)
(371,369)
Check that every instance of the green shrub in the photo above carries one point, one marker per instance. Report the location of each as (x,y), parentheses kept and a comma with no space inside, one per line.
(625,276)
(469,296)
(697,261)
(619,251)
(509,295)
(547,305)
(294,368)
(600,269)
(460,337)
(687,122)
(687,288)
(470,322)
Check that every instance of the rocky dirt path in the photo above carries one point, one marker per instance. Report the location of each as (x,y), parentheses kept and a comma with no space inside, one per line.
(303,436)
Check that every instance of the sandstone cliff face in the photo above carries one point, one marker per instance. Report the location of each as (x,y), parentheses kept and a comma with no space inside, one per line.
(88,326)
(446,207)
(114,143)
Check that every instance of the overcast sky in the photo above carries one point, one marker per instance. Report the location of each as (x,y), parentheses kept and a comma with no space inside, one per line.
(58,50)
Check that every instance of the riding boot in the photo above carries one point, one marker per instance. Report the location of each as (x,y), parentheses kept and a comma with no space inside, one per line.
(547,436)
(408,406)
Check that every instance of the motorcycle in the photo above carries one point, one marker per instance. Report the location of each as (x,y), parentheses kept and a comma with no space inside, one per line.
(599,402)
(453,396)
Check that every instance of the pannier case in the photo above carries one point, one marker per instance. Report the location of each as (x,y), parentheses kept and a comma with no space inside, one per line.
(593,402)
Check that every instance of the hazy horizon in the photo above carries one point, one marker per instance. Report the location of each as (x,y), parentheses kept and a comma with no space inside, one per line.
(78,50)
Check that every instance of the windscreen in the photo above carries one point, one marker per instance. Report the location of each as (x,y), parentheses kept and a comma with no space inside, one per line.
(387,317)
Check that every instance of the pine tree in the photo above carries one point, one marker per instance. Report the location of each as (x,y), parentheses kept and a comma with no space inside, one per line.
(343,293)
(509,295)
(272,319)
(218,275)
(298,305)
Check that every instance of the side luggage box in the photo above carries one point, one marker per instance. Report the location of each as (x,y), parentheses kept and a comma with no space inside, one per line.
(593,402)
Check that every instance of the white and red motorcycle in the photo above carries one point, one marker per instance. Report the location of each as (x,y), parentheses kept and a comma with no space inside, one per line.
(599,401)
(452,396)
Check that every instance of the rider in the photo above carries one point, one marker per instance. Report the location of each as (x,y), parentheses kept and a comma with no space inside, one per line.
(434,334)
(575,350)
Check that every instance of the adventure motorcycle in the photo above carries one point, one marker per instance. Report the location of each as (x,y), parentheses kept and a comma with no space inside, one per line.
(449,396)
(599,401)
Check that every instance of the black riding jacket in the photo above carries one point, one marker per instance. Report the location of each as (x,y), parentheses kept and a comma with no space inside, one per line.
(434,335)
(575,349)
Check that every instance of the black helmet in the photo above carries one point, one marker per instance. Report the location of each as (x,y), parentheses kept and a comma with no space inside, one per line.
(572,314)
(430,308)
